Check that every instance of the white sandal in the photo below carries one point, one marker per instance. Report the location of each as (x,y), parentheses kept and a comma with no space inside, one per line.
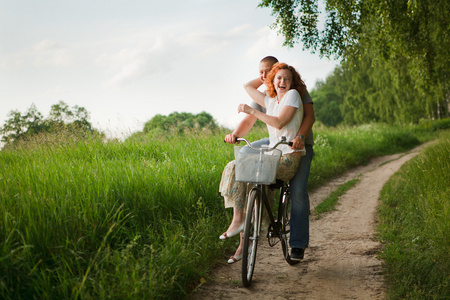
(234,259)
(229,235)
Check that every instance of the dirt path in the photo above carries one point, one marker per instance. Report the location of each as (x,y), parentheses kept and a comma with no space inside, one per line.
(341,261)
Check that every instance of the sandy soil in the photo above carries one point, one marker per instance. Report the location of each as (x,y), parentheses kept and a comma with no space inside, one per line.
(341,261)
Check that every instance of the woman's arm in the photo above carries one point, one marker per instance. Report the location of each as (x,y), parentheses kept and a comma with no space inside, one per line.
(278,122)
(307,123)
(251,88)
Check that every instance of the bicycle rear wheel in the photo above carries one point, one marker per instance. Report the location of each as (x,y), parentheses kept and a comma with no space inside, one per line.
(251,235)
(285,211)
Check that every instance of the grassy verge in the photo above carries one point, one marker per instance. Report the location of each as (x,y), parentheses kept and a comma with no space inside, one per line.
(342,148)
(139,219)
(87,219)
(329,203)
(414,225)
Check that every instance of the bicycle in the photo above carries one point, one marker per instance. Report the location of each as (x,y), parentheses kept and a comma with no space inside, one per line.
(279,229)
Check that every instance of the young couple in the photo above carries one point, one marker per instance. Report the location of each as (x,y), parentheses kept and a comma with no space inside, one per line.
(287,109)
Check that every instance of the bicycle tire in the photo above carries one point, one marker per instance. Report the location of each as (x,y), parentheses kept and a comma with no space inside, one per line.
(285,211)
(251,232)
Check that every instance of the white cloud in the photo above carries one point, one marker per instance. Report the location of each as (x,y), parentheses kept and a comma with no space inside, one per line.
(45,45)
(268,42)
(138,53)
(10,62)
(202,42)
(215,48)
(240,30)
(43,54)
(132,64)
(50,53)
(56,91)
(167,50)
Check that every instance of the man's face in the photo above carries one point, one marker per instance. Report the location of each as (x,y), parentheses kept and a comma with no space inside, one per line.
(264,69)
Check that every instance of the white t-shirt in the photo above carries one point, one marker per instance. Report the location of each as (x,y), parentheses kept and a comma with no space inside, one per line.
(273,107)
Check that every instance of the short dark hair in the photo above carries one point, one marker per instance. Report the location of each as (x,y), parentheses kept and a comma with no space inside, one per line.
(270,59)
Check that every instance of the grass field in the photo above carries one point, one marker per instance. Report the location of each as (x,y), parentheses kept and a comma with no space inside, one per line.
(88,219)
(415,226)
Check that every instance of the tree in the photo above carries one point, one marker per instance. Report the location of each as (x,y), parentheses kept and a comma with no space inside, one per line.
(366,93)
(179,122)
(327,102)
(298,20)
(407,39)
(62,116)
(19,127)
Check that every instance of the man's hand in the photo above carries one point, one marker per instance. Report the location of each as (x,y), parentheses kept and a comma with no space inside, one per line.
(298,143)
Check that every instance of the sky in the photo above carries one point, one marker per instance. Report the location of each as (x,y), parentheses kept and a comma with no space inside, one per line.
(126,61)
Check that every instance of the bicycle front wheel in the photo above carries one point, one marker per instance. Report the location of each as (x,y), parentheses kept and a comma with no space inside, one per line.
(251,235)
(285,211)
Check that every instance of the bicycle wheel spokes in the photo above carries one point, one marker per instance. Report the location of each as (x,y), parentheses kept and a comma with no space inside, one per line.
(251,235)
(286,225)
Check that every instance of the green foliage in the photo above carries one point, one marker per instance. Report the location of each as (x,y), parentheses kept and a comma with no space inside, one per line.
(394,54)
(328,99)
(338,149)
(298,20)
(414,225)
(91,219)
(179,123)
(21,128)
(435,125)
(365,93)
(137,219)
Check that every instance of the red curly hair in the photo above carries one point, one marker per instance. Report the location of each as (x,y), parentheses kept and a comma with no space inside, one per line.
(297,82)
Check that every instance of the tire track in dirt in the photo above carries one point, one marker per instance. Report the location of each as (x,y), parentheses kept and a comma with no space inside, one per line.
(341,261)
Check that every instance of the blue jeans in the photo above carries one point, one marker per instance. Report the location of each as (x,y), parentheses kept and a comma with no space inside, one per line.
(300,202)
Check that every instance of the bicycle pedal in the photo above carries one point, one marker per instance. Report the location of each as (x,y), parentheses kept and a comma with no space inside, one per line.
(272,237)
(272,233)
(272,242)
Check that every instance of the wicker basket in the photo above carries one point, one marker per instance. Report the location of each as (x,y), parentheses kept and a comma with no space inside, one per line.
(256,166)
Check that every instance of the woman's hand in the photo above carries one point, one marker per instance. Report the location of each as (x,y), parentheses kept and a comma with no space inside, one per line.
(231,139)
(245,109)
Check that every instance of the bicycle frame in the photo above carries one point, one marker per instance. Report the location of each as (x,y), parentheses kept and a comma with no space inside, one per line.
(257,199)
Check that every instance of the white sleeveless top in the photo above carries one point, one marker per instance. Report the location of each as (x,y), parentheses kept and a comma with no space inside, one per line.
(290,130)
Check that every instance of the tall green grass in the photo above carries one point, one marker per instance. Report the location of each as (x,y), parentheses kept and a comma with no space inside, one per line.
(339,149)
(139,219)
(415,226)
(92,219)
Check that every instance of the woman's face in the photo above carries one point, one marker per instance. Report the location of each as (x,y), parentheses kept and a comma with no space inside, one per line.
(282,82)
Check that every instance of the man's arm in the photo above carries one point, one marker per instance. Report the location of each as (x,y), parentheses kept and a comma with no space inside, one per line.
(251,88)
(242,129)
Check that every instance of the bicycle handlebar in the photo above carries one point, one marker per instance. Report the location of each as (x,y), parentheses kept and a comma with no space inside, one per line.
(282,141)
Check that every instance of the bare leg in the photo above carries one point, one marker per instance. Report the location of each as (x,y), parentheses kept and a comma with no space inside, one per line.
(236,226)
(238,254)
(239,248)
(238,219)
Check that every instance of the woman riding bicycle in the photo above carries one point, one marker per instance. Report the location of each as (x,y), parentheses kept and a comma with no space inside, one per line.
(283,118)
